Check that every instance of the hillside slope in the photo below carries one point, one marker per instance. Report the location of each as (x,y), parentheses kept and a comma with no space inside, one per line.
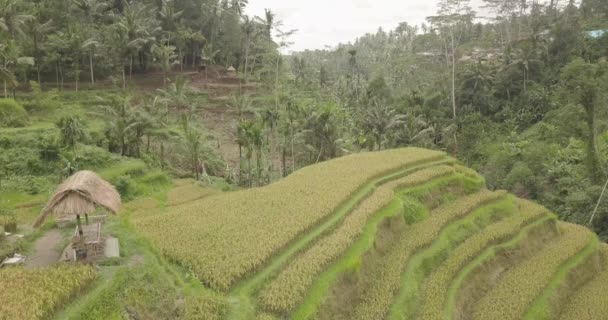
(399,234)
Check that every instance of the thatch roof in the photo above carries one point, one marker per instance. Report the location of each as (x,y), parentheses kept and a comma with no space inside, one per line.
(79,194)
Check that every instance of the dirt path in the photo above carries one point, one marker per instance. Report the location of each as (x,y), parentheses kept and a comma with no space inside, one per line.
(45,250)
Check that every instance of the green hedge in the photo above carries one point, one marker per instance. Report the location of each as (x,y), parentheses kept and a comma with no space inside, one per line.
(12,114)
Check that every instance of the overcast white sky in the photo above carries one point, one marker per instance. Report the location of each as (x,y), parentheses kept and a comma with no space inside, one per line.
(329,22)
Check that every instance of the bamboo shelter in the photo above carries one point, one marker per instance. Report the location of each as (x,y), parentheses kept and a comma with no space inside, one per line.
(80,194)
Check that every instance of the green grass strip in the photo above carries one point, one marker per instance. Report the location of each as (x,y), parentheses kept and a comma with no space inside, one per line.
(352,258)
(422,263)
(240,299)
(489,254)
(541,308)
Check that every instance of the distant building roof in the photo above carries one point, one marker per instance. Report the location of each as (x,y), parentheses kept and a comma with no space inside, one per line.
(231,69)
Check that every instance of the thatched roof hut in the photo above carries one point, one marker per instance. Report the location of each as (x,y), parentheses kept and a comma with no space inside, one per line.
(79,194)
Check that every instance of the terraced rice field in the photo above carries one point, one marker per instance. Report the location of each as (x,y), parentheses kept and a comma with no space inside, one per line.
(400,234)
(35,294)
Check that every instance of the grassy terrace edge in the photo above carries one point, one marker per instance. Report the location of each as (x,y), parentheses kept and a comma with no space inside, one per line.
(542,308)
(240,300)
(414,274)
(486,255)
(352,257)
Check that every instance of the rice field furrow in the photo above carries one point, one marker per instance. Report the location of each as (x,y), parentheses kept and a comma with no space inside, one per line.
(241,298)
(283,293)
(510,298)
(378,298)
(591,301)
(207,235)
(423,262)
(433,301)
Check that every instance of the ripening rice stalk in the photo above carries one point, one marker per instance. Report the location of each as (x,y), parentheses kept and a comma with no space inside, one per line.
(36,293)
(225,237)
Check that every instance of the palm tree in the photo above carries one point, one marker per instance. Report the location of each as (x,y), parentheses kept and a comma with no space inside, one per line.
(239,6)
(248,29)
(11,18)
(378,121)
(170,18)
(415,131)
(120,122)
(192,139)
(270,118)
(10,58)
(242,139)
(242,103)
(194,39)
(177,94)
(6,74)
(71,131)
(37,33)
(166,57)
(134,26)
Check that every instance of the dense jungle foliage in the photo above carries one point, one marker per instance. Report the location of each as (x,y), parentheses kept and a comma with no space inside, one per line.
(518,94)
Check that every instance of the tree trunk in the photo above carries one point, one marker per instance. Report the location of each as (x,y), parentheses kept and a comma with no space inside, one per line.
(91,68)
(122,146)
(293,156)
(162,155)
(77,75)
(595,170)
(131,68)
(181,58)
(57,76)
(246,60)
(284,160)
(240,164)
(276,85)
(124,79)
(5,90)
(61,75)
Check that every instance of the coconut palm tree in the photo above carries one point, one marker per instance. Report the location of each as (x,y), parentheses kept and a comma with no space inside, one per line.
(120,122)
(177,94)
(192,138)
(165,55)
(134,28)
(378,121)
(12,19)
(71,131)
(37,33)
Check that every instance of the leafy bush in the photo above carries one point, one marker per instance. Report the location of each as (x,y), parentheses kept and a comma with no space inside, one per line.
(127,188)
(42,101)
(12,114)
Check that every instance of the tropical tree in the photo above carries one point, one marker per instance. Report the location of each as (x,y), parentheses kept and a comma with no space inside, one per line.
(71,131)
(165,55)
(192,138)
(12,18)
(120,122)
(177,94)
(378,122)
(585,84)
(37,33)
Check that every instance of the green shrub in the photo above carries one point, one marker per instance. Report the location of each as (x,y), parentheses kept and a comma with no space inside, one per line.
(42,101)
(127,188)
(12,114)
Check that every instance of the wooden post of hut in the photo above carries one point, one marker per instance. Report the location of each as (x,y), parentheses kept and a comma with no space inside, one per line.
(81,194)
